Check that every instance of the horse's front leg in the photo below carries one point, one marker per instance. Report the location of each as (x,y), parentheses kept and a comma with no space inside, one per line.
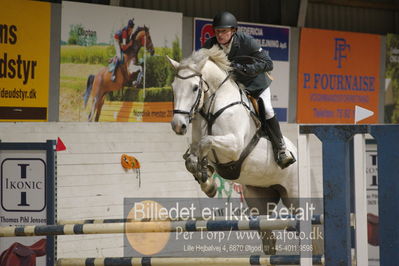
(227,146)
(191,156)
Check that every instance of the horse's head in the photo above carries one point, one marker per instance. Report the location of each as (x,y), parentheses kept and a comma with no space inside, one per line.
(140,38)
(196,78)
(204,71)
(145,40)
(188,93)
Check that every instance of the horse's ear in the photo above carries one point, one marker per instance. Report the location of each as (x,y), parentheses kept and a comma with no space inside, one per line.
(174,63)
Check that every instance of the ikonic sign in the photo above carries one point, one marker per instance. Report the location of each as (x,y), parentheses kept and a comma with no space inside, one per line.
(23,184)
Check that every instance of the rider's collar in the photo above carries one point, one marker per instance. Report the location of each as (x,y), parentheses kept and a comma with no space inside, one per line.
(227,48)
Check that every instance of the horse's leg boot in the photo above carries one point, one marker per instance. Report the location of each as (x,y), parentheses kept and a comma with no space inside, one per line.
(283,157)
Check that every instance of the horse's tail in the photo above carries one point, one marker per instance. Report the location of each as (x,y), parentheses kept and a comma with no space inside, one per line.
(89,86)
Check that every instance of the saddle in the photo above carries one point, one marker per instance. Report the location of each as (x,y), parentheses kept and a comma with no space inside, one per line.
(254,103)
(21,255)
(114,62)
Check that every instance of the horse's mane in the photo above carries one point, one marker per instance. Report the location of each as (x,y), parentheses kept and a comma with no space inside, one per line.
(139,29)
(215,54)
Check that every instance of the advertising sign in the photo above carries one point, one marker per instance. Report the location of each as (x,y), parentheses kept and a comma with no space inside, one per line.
(113,63)
(24,60)
(27,198)
(273,39)
(337,73)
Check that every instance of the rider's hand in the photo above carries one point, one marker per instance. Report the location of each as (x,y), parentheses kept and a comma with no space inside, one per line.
(247,70)
(238,67)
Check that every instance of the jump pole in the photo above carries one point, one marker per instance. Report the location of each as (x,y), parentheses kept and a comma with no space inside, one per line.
(316,219)
(147,227)
(157,261)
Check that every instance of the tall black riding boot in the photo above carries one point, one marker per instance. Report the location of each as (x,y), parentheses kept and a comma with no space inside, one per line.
(283,157)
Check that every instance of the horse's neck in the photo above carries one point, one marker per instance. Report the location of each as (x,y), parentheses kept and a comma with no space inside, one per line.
(136,45)
(224,93)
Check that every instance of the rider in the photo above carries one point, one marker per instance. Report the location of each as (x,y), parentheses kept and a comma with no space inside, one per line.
(252,76)
(122,43)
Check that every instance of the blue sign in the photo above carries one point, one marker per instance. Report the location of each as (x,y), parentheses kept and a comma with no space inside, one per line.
(273,39)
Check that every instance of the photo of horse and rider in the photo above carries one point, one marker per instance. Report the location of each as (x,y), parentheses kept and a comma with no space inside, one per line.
(113,63)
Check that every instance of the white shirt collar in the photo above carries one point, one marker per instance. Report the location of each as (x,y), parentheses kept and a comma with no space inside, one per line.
(226,48)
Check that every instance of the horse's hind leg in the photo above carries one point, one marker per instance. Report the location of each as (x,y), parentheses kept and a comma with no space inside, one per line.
(316,205)
(264,200)
(99,107)
(93,108)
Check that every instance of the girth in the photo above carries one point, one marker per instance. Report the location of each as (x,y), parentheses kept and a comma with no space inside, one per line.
(232,170)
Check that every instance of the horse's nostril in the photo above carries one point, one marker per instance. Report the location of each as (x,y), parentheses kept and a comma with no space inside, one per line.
(183,126)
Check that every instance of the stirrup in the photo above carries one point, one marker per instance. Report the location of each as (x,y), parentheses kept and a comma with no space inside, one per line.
(283,160)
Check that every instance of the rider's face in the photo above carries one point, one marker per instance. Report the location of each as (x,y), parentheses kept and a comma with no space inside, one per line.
(223,35)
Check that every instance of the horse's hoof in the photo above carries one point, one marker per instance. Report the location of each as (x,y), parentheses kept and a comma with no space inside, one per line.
(285,160)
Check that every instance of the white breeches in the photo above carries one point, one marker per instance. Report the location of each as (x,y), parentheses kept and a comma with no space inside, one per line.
(266,97)
(117,49)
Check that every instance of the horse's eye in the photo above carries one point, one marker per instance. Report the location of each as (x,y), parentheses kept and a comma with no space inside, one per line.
(195,88)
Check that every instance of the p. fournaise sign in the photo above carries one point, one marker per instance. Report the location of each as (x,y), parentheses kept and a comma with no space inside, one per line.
(337,71)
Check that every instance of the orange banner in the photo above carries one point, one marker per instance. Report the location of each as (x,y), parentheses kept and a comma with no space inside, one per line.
(24,60)
(137,112)
(338,71)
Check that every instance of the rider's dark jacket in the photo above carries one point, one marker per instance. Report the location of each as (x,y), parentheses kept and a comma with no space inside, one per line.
(245,45)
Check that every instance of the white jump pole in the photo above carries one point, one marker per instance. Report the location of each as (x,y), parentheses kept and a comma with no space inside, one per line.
(304,195)
(360,199)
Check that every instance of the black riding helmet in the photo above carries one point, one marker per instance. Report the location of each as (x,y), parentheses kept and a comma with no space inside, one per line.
(224,20)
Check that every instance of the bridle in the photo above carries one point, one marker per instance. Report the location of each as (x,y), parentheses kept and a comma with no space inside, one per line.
(194,108)
(196,104)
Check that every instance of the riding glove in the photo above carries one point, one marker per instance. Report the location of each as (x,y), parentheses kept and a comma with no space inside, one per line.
(248,70)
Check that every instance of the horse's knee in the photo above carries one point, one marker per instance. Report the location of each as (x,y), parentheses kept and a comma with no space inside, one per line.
(192,163)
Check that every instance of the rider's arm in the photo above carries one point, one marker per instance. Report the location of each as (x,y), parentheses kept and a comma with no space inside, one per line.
(262,62)
(125,44)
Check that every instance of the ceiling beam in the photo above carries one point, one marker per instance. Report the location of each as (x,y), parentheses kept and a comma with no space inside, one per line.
(360,3)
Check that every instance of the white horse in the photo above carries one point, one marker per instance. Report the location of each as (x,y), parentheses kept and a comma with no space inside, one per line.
(222,128)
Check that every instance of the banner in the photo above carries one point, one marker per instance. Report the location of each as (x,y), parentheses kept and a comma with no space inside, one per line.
(27,192)
(273,39)
(337,74)
(24,60)
(95,85)
(392,80)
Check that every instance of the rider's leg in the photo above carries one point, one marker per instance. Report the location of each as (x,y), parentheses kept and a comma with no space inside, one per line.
(117,49)
(118,57)
(272,128)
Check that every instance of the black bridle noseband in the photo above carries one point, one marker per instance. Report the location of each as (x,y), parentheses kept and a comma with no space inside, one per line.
(195,106)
